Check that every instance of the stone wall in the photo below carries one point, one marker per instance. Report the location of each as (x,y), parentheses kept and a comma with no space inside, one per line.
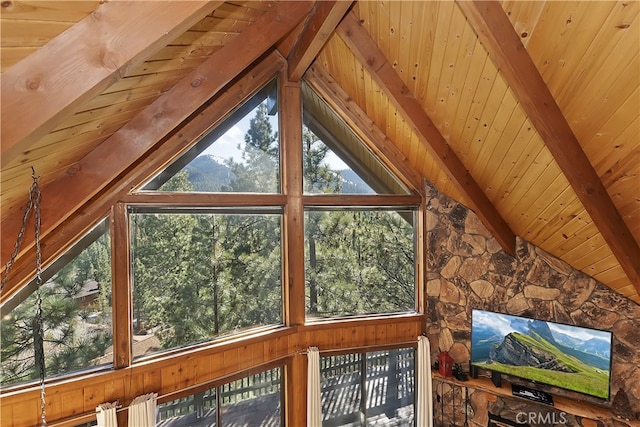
(467,268)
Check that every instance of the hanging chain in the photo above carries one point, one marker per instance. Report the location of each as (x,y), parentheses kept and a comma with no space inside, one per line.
(38,324)
(34,191)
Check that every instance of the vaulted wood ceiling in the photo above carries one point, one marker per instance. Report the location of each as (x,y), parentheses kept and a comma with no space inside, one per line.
(528,112)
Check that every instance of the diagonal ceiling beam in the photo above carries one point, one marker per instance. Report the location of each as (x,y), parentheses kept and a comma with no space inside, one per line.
(84,60)
(370,56)
(503,44)
(326,16)
(112,157)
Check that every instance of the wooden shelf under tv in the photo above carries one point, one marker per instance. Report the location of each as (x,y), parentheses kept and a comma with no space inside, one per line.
(570,406)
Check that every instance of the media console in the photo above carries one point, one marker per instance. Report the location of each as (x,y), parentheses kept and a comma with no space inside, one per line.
(570,406)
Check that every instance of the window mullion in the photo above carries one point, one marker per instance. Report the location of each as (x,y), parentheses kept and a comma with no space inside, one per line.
(121,287)
(291,142)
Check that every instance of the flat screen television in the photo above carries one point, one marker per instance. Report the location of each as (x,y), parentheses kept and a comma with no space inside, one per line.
(565,356)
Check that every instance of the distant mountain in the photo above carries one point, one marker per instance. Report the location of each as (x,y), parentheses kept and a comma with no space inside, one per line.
(515,350)
(353,184)
(207,173)
(595,346)
(541,328)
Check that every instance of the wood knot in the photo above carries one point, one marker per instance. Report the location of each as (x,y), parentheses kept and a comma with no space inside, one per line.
(197,82)
(5,4)
(112,60)
(33,84)
(73,169)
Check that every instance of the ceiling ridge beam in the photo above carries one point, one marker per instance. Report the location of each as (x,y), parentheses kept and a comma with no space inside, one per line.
(83,61)
(112,157)
(373,59)
(496,33)
(323,21)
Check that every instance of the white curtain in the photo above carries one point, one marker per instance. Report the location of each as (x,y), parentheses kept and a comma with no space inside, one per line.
(424,410)
(106,414)
(314,409)
(142,411)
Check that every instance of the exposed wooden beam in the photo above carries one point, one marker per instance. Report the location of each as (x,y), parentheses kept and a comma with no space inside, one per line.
(375,139)
(503,44)
(322,23)
(84,60)
(370,56)
(111,158)
(290,99)
(55,243)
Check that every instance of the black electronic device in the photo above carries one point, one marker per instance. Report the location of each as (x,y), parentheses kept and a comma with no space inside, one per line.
(496,378)
(473,370)
(532,394)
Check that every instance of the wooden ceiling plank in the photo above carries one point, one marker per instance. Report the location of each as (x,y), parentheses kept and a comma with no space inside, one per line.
(620,132)
(30,33)
(374,60)
(134,82)
(452,72)
(507,137)
(12,55)
(118,35)
(500,102)
(442,46)
(462,84)
(495,31)
(62,11)
(322,23)
(539,176)
(88,176)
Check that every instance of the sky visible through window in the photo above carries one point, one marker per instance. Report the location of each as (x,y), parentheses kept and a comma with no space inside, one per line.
(226,146)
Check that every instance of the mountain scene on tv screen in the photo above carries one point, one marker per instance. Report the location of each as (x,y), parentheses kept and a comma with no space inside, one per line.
(568,357)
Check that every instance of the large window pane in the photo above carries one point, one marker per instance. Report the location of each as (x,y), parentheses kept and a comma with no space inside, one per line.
(242,154)
(252,401)
(200,275)
(359,262)
(390,385)
(369,389)
(76,311)
(341,390)
(198,409)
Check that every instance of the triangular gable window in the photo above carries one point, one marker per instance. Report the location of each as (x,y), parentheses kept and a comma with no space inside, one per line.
(242,154)
(335,160)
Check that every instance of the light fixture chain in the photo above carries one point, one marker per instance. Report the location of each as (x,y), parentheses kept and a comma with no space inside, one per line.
(16,248)
(33,204)
(35,197)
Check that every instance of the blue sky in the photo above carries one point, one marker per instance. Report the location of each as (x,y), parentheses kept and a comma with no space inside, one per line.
(227,145)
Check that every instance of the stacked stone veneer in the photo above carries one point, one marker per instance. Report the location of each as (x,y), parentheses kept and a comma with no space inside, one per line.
(467,268)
